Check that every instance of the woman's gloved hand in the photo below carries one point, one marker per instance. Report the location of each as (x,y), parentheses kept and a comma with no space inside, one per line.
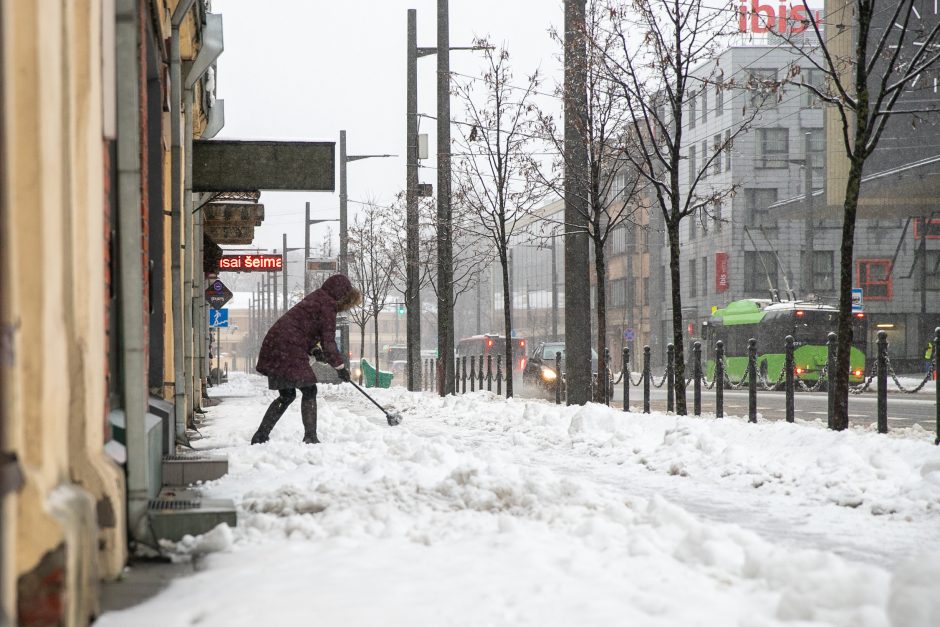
(343,374)
(317,353)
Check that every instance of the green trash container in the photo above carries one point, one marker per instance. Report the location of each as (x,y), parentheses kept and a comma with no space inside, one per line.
(368,375)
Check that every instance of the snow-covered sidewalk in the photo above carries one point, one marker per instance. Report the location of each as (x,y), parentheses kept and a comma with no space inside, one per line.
(483,511)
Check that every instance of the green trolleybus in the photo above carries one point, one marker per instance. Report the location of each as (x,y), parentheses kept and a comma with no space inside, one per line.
(770,323)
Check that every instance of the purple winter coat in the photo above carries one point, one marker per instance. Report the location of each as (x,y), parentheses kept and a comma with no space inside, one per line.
(285,350)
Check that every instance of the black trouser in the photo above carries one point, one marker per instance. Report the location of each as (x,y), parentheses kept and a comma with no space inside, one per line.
(286,396)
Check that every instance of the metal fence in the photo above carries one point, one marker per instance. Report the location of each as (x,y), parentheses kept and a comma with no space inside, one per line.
(470,373)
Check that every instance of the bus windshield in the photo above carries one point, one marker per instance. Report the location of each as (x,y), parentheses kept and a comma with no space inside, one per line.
(813,327)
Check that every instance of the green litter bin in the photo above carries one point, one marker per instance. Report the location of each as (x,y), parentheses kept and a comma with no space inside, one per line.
(368,375)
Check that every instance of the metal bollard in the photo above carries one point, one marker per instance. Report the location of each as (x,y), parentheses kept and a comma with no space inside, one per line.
(936,378)
(558,378)
(830,374)
(646,379)
(463,376)
(697,374)
(489,373)
(719,379)
(473,373)
(480,373)
(670,377)
(499,375)
(603,380)
(625,373)
(752,380)
(789,388)
(882,365)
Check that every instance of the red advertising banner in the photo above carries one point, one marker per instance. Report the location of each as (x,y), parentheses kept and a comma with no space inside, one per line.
(721,272)
(250,263)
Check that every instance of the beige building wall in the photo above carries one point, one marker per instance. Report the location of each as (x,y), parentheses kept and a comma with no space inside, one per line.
(54,402)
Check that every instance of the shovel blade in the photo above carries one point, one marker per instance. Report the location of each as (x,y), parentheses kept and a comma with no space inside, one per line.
(393,419)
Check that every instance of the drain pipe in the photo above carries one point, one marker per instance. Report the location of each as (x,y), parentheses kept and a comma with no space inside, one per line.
(134,385)
(211,47)
(176,83)
(189,339)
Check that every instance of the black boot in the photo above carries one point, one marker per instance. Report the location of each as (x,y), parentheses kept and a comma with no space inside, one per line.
(308,414)
(275,410)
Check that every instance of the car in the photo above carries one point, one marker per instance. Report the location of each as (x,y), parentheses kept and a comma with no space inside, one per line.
(540,369)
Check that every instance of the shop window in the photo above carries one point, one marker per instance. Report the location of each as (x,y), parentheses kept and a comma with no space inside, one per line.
(874,277)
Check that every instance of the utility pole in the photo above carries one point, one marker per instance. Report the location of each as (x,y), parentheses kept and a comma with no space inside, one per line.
(306,248)
(412,307)
(577,275)
(808,225)
(284,272)
(445,267)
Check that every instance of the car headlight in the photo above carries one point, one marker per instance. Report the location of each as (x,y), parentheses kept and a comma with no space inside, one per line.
(357,372)
(548,374)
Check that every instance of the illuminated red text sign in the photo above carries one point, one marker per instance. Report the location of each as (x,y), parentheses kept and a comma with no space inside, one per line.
(781,18)
(250,263)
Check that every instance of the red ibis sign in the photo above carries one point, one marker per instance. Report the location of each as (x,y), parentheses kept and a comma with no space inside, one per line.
(721,272)
(251,263)
(779,17)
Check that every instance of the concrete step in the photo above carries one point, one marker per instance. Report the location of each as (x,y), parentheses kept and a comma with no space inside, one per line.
(176,513)
(184,470)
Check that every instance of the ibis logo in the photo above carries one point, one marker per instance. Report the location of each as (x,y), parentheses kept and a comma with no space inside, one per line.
(755,17)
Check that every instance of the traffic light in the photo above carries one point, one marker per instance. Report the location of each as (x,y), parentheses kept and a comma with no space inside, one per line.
(401,309)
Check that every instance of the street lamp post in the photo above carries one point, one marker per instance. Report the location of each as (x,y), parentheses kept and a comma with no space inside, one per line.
(307,224)
(343,218)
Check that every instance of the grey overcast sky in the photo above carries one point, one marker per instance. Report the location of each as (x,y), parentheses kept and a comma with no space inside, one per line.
(304,69)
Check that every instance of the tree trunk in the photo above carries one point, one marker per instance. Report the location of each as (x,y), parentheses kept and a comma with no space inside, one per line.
(600,267)
(840,378)
(677,331)
(507,321)
(377,364)
(362,340)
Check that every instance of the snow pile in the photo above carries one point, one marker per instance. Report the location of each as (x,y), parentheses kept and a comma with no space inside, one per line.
(483,511)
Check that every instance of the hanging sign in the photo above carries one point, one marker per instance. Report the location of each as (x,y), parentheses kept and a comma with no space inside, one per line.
(250,263)
(722,281)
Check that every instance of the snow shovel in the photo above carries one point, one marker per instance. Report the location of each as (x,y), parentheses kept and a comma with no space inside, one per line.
(394,418)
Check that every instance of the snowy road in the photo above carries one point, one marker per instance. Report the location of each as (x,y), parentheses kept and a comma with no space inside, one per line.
(481,511)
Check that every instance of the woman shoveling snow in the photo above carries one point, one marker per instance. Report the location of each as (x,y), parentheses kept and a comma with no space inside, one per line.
(284,355)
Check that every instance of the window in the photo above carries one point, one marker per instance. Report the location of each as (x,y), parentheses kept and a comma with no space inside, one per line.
(816,78)
(823,277)
(716,151)
(756,202)
(692,217)
(693,278)
(719,100)
(705,275)
(704,104)
(773,147)
(874,277)
(646,290)
(932,230)
(618,238)
(727,151)
(617,293)
(693,166)
(692,115)
(705,157)
(716,214)
(758,267)
(762,85)
(933,269)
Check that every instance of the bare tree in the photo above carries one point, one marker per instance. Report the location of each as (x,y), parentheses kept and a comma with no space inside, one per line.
(373,265)
(492,165)
(614,185)
(653,53)
(877,52)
